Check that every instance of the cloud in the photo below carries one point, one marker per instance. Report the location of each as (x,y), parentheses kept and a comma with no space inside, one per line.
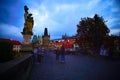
(111,22)
(42,20)
(65,7)
(62,18)
(115,31)
(54,19)
(59,17)
(92,3)
(115,9)
(10,31)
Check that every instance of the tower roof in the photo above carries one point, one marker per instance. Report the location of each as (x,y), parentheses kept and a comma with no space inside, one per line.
(45,32)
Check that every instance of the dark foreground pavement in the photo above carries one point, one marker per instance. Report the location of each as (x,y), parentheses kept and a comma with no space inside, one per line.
(80,67)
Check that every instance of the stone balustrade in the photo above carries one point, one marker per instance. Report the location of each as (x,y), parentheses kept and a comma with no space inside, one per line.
(17,69)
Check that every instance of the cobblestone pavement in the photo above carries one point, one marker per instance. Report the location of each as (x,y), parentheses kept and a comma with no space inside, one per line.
(82,67)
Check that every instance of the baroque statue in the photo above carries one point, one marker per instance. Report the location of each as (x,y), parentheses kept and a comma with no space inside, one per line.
(29,22)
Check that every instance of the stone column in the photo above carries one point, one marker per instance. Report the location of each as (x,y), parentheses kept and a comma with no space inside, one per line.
(27,31)
(27,39)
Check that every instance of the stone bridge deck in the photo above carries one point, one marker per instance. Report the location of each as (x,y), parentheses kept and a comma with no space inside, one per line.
(81,67)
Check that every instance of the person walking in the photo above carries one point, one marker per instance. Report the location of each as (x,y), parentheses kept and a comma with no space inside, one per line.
(102,50)
(40,55)
(35,54)
(62,54)
(57,52)
(111,52)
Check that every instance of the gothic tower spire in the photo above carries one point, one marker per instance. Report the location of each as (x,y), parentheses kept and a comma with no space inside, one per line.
(46,38)
(45,32)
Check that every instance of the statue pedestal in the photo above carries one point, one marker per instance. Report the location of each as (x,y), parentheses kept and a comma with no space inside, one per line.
(27,39)
(26,46)
(27,31)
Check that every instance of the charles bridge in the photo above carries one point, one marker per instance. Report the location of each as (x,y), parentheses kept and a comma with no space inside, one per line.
(76,67)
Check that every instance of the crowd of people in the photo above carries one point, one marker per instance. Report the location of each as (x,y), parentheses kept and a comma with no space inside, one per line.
(39,54)
(59,52)
(110,52)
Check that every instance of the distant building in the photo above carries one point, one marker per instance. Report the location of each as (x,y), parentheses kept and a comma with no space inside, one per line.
(37,41)
(16,44)
(69,42)
(41,41)
(34,39)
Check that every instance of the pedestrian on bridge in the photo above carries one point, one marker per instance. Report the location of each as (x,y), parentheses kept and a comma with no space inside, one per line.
(40,54)
(57,52)
(35,53)
(62,54)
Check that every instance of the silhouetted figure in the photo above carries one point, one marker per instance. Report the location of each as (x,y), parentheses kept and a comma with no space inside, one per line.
(40,55)
(62,54)
(111,52)
(57,52)
(35,54)
(103,50)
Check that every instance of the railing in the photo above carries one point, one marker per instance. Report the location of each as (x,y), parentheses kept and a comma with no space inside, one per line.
(17,69)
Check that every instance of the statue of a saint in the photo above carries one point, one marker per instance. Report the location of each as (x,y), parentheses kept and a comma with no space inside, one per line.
(26,12)
(29,22)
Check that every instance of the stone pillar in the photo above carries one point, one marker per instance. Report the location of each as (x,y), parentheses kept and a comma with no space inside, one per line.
(27,31)
(26,46)
(27,39)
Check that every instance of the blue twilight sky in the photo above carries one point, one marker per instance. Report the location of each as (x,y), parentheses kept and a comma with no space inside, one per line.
(59,16)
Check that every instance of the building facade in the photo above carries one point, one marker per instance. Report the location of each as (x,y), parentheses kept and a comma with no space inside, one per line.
(16,44)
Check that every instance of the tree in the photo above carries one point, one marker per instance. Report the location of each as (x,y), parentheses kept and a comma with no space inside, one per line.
(92,29)
(101,30)
(6,52)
